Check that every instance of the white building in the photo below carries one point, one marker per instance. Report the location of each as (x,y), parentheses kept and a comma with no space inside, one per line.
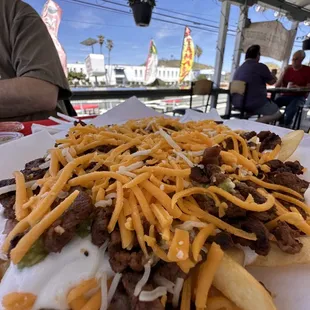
(122,75)
(77,67)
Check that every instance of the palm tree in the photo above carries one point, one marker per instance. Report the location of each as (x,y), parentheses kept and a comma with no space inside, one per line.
(100,41)
(90,42)
(198,52)
(110,46)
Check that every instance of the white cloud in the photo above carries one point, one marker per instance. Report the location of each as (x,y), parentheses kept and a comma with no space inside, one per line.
(85,19)
(165,31)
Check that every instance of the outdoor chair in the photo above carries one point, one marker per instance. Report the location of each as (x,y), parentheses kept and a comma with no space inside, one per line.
(298,117)
(201,88)
(237,92)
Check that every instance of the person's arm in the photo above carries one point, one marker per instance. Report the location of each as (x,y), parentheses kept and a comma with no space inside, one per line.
(267,76)
(40,79)
(24,95)
(272,81)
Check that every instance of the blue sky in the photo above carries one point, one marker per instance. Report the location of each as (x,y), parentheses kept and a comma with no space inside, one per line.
(131,42)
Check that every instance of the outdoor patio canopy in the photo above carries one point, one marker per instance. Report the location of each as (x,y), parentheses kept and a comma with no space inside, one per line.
(295,10)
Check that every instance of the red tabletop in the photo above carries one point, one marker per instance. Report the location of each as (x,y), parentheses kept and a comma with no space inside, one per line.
(46,122)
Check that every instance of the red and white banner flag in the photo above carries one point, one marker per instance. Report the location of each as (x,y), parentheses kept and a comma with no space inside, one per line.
(51,15)
(188,55)
(151,64)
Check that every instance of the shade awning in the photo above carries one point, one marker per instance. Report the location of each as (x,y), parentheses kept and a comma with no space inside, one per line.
(298,10)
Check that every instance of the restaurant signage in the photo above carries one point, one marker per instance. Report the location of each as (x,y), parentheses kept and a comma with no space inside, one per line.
(95,65)
(188,55)
(271,36)
(51,15)
(151,64)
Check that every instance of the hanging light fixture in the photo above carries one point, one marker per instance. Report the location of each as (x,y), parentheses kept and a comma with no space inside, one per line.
(259,9)
(307,22)
(278,14)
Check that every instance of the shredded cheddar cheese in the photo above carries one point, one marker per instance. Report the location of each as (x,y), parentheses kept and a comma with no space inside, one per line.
(21,196)
(200,240)
(206,274)
(150,181)
(179,248)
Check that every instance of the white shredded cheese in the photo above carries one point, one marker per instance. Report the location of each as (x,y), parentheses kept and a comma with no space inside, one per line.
(45,165)
(244,172)
(103,268)
(188,161)
(162,187)
(114,286)
(104,292)
(48,157)
(169,140)
(150,124)
(255,140)
(197,153)
(189,225)
(162,281)
(201,166)
(210,133)
(35,186)
(104,203)
(186,184)
(141,153)
(166,178)
(65,152)
(131,167)
(110,196)
(143,280)
(152,295)
(180,242)
(12,187)
(177,291)
(127,174)
(63,195)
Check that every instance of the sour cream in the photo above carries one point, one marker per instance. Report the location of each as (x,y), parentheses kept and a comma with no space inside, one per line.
(52,279)
(249,255)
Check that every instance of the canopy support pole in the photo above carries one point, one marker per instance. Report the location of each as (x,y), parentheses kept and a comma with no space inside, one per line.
(290,44)
(220,48)
(243,15)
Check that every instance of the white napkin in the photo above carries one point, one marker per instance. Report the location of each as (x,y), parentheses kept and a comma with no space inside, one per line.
(15,154)
(192,115)
(50,129)
(132,108)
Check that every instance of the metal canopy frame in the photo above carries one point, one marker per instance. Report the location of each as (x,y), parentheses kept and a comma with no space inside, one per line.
(295,13)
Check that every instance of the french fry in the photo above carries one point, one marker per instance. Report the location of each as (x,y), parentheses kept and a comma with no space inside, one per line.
(241,287)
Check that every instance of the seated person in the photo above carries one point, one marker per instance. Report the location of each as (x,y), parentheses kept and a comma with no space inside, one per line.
(256,75)
(31,76)
(294,76)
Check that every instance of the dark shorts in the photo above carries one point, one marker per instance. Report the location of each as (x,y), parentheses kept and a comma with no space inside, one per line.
(268,108)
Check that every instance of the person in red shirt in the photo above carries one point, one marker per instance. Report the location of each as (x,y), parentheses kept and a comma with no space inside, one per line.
(295,76)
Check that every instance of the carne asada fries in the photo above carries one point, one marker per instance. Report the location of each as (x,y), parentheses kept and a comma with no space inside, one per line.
(151,214)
